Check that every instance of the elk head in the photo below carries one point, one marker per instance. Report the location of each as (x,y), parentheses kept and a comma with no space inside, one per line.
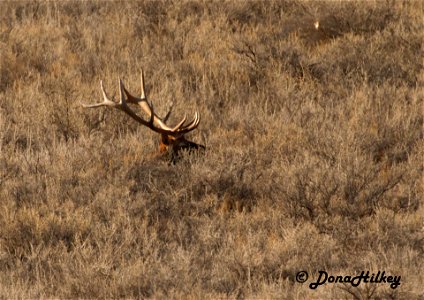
(172,139)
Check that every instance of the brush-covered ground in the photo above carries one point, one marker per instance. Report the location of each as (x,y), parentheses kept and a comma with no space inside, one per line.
(314,161)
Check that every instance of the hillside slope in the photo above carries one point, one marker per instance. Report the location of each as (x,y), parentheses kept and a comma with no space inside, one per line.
(312,114)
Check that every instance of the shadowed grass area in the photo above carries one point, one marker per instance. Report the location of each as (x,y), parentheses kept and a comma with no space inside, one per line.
(312,114)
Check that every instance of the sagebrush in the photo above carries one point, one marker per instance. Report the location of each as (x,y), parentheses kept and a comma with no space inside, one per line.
(312,116)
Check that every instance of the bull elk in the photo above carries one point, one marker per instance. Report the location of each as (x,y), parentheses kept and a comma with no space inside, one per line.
(172,139)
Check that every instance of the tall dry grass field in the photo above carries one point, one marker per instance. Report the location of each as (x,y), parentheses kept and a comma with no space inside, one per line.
(314,161)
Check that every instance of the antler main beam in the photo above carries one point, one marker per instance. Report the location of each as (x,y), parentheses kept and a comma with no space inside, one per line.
(147,107)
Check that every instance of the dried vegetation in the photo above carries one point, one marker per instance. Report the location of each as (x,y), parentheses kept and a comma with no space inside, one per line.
(314,135)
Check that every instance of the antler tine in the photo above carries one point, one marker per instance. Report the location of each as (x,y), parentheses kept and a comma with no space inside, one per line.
(143,93)
(124,107)
(152,114)
(135,100)
(105,97)
(106,100)
(176,127)
(195,121)
(121,93)
(191,126)
(171,106)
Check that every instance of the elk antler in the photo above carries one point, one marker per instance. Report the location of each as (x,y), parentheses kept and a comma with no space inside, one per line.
(155,123)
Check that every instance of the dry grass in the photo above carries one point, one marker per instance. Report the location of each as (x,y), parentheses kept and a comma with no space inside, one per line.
(314,160)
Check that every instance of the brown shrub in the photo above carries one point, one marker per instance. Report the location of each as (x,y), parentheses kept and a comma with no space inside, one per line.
(314,149)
